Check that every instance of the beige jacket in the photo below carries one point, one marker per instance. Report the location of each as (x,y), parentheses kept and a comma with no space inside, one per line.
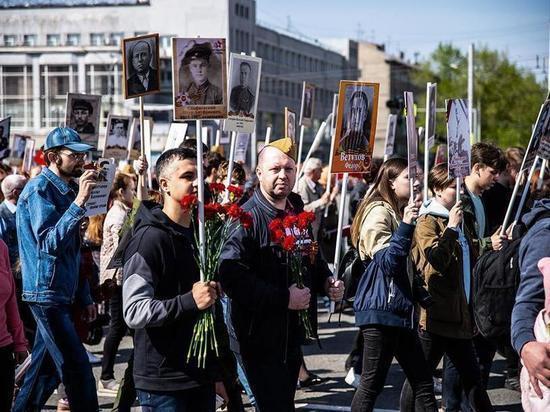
(379,223)
(111,228)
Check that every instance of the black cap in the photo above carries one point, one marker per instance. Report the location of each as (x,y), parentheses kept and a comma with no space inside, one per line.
(198,51)
(82,104)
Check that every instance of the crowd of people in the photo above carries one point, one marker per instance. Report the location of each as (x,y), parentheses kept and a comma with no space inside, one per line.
(65,278)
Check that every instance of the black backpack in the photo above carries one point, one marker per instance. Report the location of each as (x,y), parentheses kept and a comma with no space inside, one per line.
(350,271)
(496,281)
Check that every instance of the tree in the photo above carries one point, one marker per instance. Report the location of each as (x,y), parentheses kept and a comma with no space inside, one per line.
(509,97)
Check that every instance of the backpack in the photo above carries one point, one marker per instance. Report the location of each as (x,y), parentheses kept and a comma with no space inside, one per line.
(350,271)
(496,281)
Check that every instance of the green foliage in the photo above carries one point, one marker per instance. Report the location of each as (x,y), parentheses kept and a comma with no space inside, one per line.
(508,97)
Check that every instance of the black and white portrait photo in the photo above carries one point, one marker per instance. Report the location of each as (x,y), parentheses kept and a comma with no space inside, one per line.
(432,95)
(19,144)
(244,86)
(290,124)
(116,137)
(308,99)
(82,114)
(356,127)
(5,125)
(141,65)
(199,78)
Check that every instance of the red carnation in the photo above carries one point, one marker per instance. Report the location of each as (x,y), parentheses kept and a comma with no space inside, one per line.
(236,191)
(290,221)
(234,211)
(210,210)
(277,235)
(288,243)
(304,219)
(217,187)
(246,220)
(188,201)
(276,224)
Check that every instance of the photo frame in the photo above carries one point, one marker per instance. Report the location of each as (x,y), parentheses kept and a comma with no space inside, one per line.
(355,127)
(83,113)
(307,105)
(244,88)
(117,134)
(141,65)
(199,78)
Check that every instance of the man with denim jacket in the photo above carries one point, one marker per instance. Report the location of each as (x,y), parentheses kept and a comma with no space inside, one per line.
(50,209)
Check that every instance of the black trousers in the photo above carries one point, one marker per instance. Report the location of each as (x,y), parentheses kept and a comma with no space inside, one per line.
(273,381)
(381,344)
(7,377)
(462,354)
(117,330)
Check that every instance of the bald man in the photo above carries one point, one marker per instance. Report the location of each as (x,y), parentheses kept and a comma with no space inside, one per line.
(265,302)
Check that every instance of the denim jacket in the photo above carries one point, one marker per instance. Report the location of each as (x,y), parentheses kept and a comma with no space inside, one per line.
(48,224)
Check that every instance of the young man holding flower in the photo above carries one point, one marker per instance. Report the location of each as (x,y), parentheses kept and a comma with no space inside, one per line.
(267,298)
(162,294)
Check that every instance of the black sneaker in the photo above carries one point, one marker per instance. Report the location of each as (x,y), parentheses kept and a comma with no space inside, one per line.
(512,384)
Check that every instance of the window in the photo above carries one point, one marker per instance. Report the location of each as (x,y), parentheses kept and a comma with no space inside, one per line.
(237,9)
(96,39)
(246,12)
(115,39)
(73,39)
(53,40)
(10,40)
(29,40)
(55,82)
(16,99)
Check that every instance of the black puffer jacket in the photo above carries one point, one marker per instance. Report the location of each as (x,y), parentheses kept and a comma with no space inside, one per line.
(254,274)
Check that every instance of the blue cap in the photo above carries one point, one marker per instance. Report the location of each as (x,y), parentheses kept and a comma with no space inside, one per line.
(66,137)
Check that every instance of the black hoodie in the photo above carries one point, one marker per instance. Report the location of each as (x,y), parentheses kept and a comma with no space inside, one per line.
(159,273)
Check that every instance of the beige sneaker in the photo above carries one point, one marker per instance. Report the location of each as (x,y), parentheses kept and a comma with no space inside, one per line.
(107,387)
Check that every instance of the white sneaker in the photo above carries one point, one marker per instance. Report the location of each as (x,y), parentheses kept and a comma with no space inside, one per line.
(107,387)
(92,358)
(352,378)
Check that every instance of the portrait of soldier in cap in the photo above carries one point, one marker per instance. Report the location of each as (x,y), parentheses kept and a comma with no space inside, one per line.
(199,89)
(242,96)
(83,112)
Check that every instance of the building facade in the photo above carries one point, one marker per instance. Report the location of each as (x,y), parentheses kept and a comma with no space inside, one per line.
(49,48)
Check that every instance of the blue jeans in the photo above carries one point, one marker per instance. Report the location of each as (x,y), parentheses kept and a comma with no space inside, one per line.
(226,305)
(57,353)
(202,398)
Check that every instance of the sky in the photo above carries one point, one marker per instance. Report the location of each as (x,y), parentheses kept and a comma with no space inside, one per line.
(518,27)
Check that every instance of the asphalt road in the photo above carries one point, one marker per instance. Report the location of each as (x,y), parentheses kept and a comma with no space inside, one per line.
(334,394)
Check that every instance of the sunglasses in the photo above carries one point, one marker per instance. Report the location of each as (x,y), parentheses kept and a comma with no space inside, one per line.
(74,156)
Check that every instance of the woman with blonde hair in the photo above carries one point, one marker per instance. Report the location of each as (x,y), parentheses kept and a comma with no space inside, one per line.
(382,231)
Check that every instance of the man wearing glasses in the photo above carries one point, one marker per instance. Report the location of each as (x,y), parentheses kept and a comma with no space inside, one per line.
(50,209)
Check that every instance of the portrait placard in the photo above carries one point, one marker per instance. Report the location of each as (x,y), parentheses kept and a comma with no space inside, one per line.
(116,137)
(29,155)
(440,154)
(458,138)
(390,135)
(290,123)
(141,63)
(412,135)
(244,86)
(536,138)
(241,147)
(176,135)
(82,114)
(308,101)
(134,142)
(19,144)
(431,90)
(544,147)
(199,78)
(97,203)
(5,125)
(355,127)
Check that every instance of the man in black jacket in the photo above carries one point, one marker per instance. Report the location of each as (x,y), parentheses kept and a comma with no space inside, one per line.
(265,302)
(162,294)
